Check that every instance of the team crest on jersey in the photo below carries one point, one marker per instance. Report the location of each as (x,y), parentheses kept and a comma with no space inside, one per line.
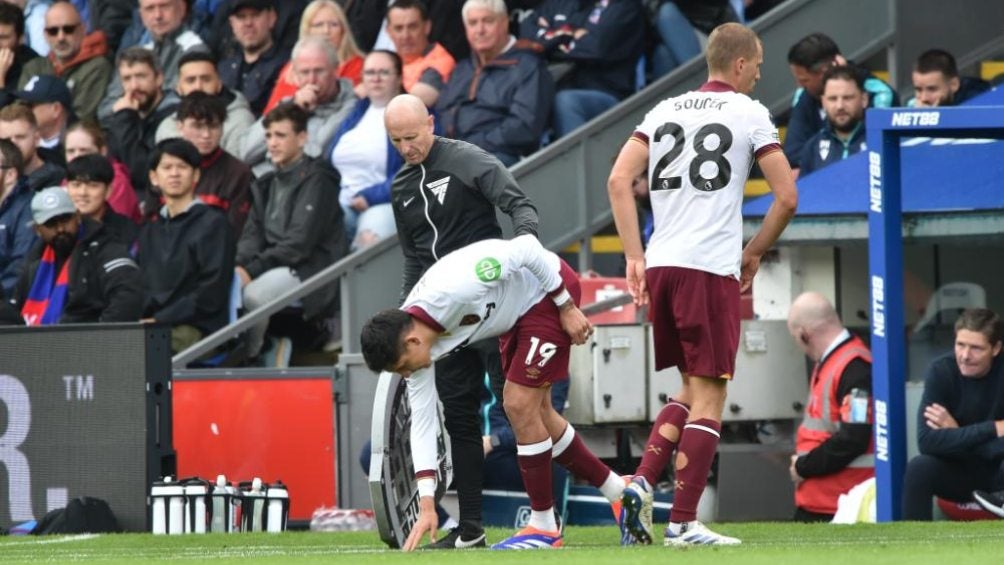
(824,149)
(470,320)
(488,269)
(438,188)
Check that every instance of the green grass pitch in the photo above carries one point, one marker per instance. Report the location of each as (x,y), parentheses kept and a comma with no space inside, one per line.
(944,543)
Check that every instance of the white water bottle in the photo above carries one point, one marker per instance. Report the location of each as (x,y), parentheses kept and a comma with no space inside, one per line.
(195,506)
(253,507)
(222,510)
(278,507)
(158,504)
(175,509)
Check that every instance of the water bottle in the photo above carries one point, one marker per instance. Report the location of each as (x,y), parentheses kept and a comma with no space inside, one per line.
(175,509)
(196,492)
(159,493)
(859,406)
(236,516)
(278,507)
(253,506)
(222,510)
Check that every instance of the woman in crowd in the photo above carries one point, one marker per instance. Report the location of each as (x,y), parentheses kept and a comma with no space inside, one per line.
(326,18)
(86,138)
(362,153)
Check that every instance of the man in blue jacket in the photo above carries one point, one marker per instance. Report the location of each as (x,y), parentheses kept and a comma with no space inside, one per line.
(808,60)
(500,97)
(843,133)
(601,41)
(16,233)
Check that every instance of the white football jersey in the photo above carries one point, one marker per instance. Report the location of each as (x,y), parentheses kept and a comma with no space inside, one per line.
(476,292)
(701,147)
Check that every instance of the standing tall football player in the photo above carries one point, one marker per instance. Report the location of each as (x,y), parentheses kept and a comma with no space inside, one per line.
(697,148)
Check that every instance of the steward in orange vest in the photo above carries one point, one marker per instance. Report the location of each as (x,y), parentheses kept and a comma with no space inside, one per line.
(834,440)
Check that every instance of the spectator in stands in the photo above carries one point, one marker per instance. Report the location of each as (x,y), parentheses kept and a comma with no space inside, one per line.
(220,35)
(960,420)
(86,138)
(14,54)
(18,125)
(843,133)
(499,98)
(367,20)
(77,273)
(89,182)
(936,81)
(112,17)
(53,108)
(16,235)
(224,180)
(364,156)
(34,23)
(186,253)
(833,442)
(328,98)
(600,42)
(427,66)
(808,60)
(165,34)
(136,115)
(254,70)
(295,228)
(322,18)
(76,57)
(197,72)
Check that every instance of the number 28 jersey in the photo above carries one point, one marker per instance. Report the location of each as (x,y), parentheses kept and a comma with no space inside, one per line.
(701,147)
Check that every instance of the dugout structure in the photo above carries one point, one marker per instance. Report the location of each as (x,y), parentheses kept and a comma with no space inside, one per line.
(887,129)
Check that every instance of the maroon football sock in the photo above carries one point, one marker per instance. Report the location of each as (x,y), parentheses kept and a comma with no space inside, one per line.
(572,454)
(662,440)
(535,466)
(696,450)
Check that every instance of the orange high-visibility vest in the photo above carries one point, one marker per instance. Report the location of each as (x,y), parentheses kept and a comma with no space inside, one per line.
(439,58)
(821,421)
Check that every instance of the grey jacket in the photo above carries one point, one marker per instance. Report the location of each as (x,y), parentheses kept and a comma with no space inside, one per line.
(307,234)
(239,119)
(321,127)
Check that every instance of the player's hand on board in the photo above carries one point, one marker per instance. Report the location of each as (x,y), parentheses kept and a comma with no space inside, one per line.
(427,522)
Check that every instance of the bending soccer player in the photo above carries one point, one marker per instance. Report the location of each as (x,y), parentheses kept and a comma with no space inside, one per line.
(526,295)
(697,149)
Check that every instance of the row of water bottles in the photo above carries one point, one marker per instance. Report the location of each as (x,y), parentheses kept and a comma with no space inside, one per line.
(196,506)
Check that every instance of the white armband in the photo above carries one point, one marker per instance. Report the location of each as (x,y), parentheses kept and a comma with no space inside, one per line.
(427,487)
(561,297)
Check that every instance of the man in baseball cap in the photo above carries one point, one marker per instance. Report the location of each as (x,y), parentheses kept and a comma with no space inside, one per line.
(52,104)
(104,284)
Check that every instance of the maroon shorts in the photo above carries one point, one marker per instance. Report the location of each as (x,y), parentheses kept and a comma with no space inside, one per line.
(535,351)
(695,320)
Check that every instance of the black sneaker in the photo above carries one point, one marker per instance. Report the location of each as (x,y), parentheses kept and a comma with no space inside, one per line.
(456,540)
(992,502)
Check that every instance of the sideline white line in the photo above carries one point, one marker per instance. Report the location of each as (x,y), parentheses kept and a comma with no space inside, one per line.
(44,541)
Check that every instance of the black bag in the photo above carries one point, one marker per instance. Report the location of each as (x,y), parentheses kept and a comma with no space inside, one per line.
(81,515)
